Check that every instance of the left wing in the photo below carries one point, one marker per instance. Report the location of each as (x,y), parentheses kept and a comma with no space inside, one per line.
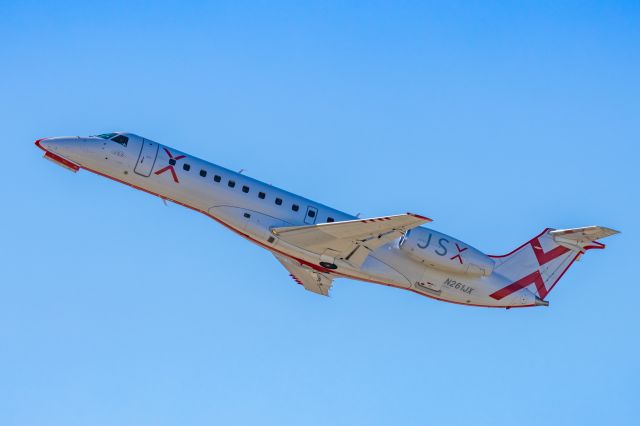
(350,240)
(308,278)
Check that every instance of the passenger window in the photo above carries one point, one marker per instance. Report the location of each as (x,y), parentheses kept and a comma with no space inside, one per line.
(245,189)
(330,219)
(172,161)
(279,201)
(217,178)
(186,167)
(203,173)
(231,183)
(261,195)
(122,140)
(295,207)
(311,213)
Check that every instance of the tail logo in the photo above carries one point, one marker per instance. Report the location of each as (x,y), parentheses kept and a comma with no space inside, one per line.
(534,277)
(172,162)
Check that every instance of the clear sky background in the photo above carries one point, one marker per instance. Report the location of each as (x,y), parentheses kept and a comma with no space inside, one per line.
(494,119)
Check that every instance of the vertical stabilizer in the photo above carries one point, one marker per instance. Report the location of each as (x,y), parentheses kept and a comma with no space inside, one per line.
(539,263)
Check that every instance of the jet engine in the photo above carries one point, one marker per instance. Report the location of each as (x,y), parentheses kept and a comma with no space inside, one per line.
(442,252)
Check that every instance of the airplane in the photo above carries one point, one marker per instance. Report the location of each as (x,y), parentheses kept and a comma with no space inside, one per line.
(317,244)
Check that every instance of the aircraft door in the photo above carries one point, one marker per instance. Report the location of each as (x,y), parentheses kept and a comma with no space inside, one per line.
(147,158)
(311,216)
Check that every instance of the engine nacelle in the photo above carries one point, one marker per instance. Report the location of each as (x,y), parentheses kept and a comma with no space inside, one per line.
(442,252)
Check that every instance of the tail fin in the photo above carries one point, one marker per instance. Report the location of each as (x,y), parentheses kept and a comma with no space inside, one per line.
(541,262)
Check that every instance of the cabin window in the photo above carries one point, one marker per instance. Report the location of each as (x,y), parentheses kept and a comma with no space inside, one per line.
(247,215)
(203,173)
(311,213)
(121,139)
(245,189)
(279,201)
(330,219)
(231,183)
(217,178)
(172,161)
(186,167)
(261,195)
(295,207)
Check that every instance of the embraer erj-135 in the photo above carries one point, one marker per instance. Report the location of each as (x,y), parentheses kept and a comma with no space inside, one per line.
(318,244)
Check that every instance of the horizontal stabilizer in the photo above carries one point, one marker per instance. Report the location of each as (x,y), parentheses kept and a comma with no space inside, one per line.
(578,239)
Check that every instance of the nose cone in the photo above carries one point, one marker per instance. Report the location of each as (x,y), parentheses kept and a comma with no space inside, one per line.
(71,149)
(61,145)
(51,144)
(43,144)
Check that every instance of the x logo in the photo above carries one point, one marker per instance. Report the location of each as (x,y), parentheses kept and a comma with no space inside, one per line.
(460,250)
(172,162)
(535,277)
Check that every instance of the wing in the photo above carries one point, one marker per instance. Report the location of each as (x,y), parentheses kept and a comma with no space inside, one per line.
(350,240)
(308,278)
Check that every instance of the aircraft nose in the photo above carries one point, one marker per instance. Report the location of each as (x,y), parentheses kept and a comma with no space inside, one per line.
(63,144)
(43,144)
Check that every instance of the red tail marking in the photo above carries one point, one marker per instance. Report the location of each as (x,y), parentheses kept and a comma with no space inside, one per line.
(547,257)
(532,278)
(459,252)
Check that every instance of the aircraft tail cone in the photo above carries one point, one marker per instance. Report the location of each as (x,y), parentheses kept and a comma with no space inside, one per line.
(540,302)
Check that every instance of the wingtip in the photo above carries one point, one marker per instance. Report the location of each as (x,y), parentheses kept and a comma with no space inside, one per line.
(419,216)
(612,231)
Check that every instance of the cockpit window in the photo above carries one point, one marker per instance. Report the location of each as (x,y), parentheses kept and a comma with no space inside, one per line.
(106,135)
(122,140)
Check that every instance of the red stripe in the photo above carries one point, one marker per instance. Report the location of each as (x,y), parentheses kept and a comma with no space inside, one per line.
(328,271)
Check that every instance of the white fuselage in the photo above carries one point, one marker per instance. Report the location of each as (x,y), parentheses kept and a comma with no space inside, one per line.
(252,208)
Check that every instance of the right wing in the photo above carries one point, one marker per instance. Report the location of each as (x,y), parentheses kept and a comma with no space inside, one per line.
(350,240)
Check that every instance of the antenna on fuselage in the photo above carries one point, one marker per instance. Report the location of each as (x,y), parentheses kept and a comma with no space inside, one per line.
(240,171)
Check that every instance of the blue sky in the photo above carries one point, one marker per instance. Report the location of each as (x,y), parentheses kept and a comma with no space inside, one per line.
(495,119)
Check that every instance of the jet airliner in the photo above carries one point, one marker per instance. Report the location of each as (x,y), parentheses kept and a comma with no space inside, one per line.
(316,243)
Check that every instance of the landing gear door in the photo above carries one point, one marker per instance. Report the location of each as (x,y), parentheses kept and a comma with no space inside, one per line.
(147,158)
